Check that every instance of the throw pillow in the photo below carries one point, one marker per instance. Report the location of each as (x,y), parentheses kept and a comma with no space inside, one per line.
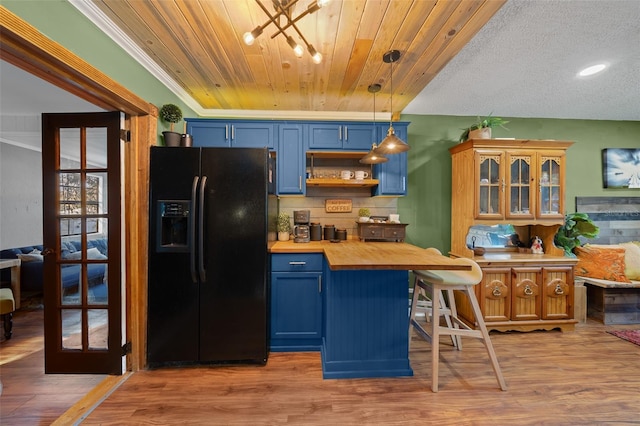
(632,260)
(92,254)
(31,257)
(605,262)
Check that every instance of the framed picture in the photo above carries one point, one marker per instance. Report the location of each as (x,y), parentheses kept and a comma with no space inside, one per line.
(621,168)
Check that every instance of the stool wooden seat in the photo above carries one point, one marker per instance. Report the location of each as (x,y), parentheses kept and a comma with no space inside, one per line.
(434,283)
(7,306)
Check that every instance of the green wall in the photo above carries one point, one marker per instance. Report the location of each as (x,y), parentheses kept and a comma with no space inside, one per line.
(64,24)
(427,207)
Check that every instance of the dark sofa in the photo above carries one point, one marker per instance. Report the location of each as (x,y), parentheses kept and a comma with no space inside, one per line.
(31,267)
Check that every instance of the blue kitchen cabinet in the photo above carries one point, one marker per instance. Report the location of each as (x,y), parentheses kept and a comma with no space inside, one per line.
(392,175)
(290,160)
(341,136)
(296,302)
(232,133)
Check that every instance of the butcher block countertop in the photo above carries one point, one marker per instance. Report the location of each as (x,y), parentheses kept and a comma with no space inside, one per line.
(355,254)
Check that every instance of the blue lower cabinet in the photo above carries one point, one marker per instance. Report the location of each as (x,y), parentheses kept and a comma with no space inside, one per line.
(366,324)
(296,302)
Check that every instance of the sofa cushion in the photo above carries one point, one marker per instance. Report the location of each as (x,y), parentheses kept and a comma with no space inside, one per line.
(632,260)
(605,262)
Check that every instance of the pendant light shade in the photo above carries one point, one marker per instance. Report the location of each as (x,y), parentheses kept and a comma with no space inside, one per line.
(373,156)
(392,144)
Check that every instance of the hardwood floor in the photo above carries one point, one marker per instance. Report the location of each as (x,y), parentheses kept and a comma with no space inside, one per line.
(30,397)
(582,377)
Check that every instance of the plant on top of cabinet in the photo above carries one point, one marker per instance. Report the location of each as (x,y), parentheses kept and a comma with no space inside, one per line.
(482,128)
(171,114)
(575,225)
(364,214)
(283,226)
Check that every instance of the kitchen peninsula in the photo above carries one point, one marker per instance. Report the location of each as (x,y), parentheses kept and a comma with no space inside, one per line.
(363,293)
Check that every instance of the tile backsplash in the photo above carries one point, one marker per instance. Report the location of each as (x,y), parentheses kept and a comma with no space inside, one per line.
(379,206)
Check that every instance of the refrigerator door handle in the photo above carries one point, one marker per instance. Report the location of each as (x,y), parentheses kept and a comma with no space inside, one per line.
(201,270)
(192,230)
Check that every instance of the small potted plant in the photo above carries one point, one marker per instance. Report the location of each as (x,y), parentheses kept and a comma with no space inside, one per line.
(364,214)
(575,225)
(171,114)
(482,128)
(283,226)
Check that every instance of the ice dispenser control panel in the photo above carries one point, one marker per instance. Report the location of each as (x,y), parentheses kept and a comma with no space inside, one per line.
(173,227)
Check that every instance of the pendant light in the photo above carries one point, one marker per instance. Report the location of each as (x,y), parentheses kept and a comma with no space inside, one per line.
(392,144)
(373,157)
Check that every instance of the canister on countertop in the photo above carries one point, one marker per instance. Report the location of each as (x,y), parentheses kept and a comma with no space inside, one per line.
(341,234)
(316,232)
(329,232)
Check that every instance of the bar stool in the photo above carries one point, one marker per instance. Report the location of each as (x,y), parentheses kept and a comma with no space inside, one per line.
(434,283)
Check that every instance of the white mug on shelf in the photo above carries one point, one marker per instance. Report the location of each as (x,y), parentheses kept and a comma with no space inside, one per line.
(361,174)
(346,174)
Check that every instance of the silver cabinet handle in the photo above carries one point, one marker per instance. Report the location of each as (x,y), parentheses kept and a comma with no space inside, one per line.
(300,183)
(292,263)
(233,132)
(346,133)
(226,131)
(339,132)
(319,283)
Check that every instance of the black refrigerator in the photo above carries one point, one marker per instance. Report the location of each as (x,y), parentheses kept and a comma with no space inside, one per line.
(208,265)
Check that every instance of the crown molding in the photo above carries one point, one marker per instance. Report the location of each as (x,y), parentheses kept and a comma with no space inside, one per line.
(106,25)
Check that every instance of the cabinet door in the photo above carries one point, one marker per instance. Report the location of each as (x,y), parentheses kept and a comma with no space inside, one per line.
(325,135)
(290,159)
(392,175)
(550,185)
(490,185)
(520,191)
(296,308)
(209,134)
(525,294)
(358,137)
(495,294)
(252,135)
(557,302)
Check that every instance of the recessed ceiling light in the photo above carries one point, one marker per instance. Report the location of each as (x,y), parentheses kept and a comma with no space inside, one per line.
(594,69)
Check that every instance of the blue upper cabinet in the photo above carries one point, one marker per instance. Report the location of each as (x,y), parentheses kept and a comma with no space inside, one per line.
(235,134)
(341,136)
(392,175)
(290,159)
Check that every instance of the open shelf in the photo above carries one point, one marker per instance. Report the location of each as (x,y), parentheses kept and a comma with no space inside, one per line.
(342,182)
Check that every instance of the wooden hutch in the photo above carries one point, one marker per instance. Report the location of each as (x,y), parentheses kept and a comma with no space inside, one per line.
(516,182)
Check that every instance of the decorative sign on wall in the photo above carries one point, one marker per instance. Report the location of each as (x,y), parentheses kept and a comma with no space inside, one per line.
(338,206)
(621,168)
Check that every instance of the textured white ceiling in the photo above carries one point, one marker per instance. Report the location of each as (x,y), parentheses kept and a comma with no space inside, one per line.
(524,62)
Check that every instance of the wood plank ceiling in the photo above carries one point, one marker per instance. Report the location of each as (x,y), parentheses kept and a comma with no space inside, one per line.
(199,44)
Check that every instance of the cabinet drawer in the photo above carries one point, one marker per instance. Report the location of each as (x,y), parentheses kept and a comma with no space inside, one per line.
(394,232)
(371,232)
(296,262)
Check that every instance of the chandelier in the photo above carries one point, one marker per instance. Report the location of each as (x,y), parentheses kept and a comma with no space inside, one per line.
(284,8)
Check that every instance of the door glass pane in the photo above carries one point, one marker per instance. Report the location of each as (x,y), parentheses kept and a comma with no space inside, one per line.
(96,148)
(70,193)
(69,148)
(98,293)
(96,193)
(98,329)
(71,328)
(70,281)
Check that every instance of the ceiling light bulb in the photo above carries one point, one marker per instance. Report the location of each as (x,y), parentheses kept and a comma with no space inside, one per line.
(248,38)
(322,3)
(297,49)
(315,55)
(592,70)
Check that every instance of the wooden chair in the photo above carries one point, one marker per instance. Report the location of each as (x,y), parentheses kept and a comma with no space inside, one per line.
(7,306)
(434,283)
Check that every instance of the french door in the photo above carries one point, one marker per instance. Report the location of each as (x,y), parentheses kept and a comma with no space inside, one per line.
(82,242)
